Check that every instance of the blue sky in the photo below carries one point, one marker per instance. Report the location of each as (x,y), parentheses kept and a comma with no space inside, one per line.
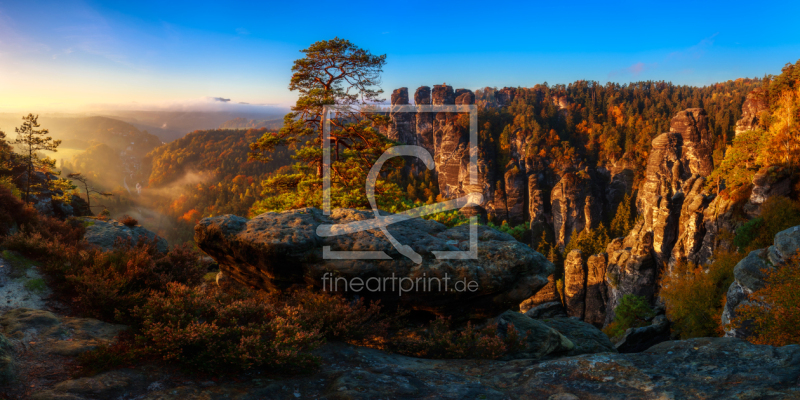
(73,55)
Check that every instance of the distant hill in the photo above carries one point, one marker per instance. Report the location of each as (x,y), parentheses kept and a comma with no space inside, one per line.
(171,125)
(245,123)
(221,152)
(82,132)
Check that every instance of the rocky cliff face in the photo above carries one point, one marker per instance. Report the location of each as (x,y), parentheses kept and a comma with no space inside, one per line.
(573,206)
(402,126)
(678,217)
(752,108)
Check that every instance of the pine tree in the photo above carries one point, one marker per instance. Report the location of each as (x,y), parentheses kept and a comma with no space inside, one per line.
(32,141)
(623,219)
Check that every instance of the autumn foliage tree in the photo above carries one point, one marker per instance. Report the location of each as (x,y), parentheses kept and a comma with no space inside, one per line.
(772,313)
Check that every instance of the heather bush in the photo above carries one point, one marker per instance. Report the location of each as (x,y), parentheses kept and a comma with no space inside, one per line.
(694,296)
(128,221)
(209,329)
(439,340)
(632,312)
(103,282)
(336,317)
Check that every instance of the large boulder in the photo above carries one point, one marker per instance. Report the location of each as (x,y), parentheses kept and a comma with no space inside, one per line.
(642,338)
(276,251)
(105,233)
(540,340)
(586,337)
(56,335)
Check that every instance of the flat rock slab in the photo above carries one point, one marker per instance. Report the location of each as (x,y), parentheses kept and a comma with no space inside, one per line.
(277,251)
(105,233)
(708,368)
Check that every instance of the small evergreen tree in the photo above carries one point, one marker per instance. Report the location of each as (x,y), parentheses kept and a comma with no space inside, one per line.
(32,141)
(624,217)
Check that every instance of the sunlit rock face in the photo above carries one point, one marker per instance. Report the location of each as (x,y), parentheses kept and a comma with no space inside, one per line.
(753,106)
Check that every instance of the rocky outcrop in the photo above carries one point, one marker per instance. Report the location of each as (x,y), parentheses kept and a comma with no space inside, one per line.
(106,233)
(540,340)
(515,195)
(718,218)
(451,144)
(753,106)
(691,222)
(424,120)
(630,270)
(274,251)
(692,125)
(547,294)
(768,182)
(596,292)
(575,284)
(573,206)
(749,276)
(586,338)
(402,126)
(505,96)
(642,338)
(32,341)
(709,368)
(677,161)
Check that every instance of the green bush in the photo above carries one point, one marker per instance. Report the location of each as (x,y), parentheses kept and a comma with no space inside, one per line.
(631,312)
(777,213)
(518,232)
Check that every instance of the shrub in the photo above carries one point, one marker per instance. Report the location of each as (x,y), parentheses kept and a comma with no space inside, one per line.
(632,312)
(695,297)
(518,232)
(772,313)
(335,317)
(777,213)
(208,329)
(128,221)
(438,340)
(13,211)
(103,282)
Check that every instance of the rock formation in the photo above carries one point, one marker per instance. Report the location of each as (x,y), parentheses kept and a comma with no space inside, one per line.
(596,294)
(575,284)
(106,233)
(424,120)
(402,126)
(683,369)
(279,250)
(676,166)
(573,206)
(752,108)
